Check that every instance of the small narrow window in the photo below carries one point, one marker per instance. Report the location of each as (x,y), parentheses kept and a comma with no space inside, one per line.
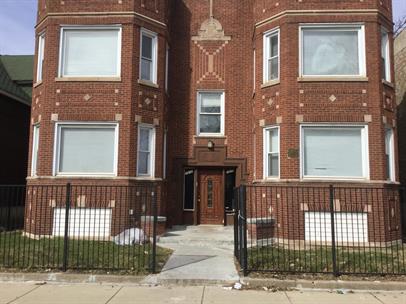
(189,190)
(210,193)
(35,145)
(271,56)
(165,154)
(40,63)
(390,170)
(146,144)
(148,65)
(385,56)
(271,143)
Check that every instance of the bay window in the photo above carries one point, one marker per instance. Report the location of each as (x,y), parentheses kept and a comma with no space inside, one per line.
(339,152)
(271,56)
(146,151)
(389,153)
(332,50)
(40,60)
(93,51)
(86,149)
(385,56)
(149,52)
(34,153)
(271,152)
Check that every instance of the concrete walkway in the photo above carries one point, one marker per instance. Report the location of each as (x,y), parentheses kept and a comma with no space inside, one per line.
(29,293)
(201,253)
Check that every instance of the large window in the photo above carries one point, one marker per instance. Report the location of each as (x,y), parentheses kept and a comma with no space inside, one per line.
(271,56)
(385,56)
(149,51)
(334,152)
(271,152)
(210,113)
(40,62)
(146,149)
(332,50)
(90,52)
(389,152)
(35,145)
(86,149)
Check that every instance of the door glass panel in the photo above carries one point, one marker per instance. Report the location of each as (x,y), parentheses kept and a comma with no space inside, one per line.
(210,193)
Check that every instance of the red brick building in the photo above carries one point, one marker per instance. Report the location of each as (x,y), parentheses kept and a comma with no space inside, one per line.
(200,96)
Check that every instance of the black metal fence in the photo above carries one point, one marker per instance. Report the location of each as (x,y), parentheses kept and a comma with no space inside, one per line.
(109,228)
(336,230)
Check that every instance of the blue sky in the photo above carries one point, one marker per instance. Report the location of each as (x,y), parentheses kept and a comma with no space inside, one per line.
(17,20)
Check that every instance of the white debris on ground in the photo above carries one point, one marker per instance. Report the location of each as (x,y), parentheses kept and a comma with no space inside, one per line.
(131,236)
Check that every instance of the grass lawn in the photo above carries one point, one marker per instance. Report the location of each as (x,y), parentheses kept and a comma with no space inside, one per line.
(391,260)
(20,252)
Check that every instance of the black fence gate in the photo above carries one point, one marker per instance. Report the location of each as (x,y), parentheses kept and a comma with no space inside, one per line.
(335,230)
(77,227)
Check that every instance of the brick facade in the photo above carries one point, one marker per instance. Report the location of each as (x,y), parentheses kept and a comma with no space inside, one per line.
(217,48)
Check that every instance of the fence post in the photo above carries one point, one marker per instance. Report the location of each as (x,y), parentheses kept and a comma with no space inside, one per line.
(243,217)
(402,203)
(333,233)
(154,227)
(66,234)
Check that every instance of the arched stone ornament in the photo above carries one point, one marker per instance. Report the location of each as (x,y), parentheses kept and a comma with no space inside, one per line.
(211,29)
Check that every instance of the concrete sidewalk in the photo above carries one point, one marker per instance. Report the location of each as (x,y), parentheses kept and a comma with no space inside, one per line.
(31,293)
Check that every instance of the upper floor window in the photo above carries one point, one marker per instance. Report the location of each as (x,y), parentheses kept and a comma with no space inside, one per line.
(332,50)
(146,151)
(210,116)
(334,152)
(385,56)
(90,51)
(149,54)
(271,152)
(86,149)
(271,56)
(40,62)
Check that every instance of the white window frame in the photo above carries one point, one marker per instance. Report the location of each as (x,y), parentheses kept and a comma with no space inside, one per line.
(167,68)
(266,50)
(388,77)
(40,59)
(338,27)
(165,154)
(62,44)
(266,152)
(365,151)
(78,124)
(35,147)
(392,168)
(222,120)
(152,145)
(154,37)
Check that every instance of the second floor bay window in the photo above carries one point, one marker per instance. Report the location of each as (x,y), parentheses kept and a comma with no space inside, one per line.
(332,50)
(149,51)
(271,56)
(93,51)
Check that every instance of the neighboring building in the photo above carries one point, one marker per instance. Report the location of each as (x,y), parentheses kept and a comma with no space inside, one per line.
(15,103)
(200,96)
(400,74)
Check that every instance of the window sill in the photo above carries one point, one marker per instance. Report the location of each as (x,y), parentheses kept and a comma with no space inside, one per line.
(332,79)
(88,79)
(147,178)
(148,83)
(37,84)
(270,83)
(333,179)
(387,83)
(210,136)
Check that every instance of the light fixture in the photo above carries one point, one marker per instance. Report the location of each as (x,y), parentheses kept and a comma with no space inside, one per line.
(210,144)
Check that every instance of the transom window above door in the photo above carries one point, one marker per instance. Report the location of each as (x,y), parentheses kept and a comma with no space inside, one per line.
(210,116)
(93,51)
(332,50)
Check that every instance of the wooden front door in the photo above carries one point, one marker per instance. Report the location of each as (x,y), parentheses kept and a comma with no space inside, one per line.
(211,197)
